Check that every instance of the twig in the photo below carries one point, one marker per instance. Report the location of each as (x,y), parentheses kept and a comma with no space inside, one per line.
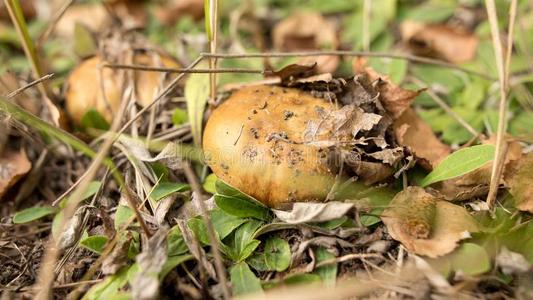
(347,257)
(219,265)
(409,57)
(186,70)
(27,86)
(503,76)
(51,26)
(446,108)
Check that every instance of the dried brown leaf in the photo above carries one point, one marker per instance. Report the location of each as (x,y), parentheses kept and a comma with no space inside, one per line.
(414,133)
(118,256)
(169,13)
(425,225)
(437,40)
(303,212)
(13,166)
(145,284)
(520,182)
(308,31)
(394,98)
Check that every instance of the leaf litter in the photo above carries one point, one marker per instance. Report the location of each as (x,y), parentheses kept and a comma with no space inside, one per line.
(375,137)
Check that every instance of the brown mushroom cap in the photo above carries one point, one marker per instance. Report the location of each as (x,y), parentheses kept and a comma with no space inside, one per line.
(84,86)
(256,141)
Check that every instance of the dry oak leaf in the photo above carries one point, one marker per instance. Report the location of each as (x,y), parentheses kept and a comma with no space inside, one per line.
(13,165)
(426,225)
(394,98)
(437,40)
(520,182)
(413,132)
(308,31)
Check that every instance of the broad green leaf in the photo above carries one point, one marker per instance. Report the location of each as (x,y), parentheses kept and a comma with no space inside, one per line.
(93,119)
(224,223)
(471,259)
(92,189)
(179,117)
(210,183)
(301,278)
(459,163)
(84,41)
(473,95)
(242,244)
(258,262)
(175,243)
(123,214)
(32,214)
(277,254)
(94,243)
(431,12)
(242,207)
(196,93)
(109,287)
(327,273)
(243,280)
(165,189)
(225,189)
(197,226)
(172,262)
(522,124)
(332,224)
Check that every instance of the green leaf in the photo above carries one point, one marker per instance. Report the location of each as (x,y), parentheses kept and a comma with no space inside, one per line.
(84,41)
(179,117)
(93,119)
(242,244)
(210,183)
(243,280)
(471,259)
(332,224)
(122,215)
(225,189)
(196,93)
(32,214)
(172,262)
(197,226)
(459,163)
(473,95)
(165,189)
(224,223)
(242,208)
(431,12)
(277,254)
(175,243)
(327,273)
(109,287)
(94,243)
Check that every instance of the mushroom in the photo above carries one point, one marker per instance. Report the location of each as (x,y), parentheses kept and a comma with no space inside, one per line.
(260,141)
(84,86)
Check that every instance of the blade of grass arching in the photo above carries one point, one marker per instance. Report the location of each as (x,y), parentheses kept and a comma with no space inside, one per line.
(502,64)
(15,13)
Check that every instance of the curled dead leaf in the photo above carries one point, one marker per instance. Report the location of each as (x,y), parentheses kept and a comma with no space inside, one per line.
(93,16)
(13,166)
(520,177)
(394,98)
(308,31)
(413,132)
(303,212)
(426,225)
(438,40)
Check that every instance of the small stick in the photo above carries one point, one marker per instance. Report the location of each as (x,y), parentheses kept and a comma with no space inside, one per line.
(409,57)
(503,76)
(446,108)
(186,70)
(29,85)
(219,265)
(52,25)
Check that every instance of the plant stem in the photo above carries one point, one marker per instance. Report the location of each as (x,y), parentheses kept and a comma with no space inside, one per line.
(503,77)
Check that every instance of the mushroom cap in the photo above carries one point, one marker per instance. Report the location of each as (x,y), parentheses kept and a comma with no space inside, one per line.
(258,141)
(84,86)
